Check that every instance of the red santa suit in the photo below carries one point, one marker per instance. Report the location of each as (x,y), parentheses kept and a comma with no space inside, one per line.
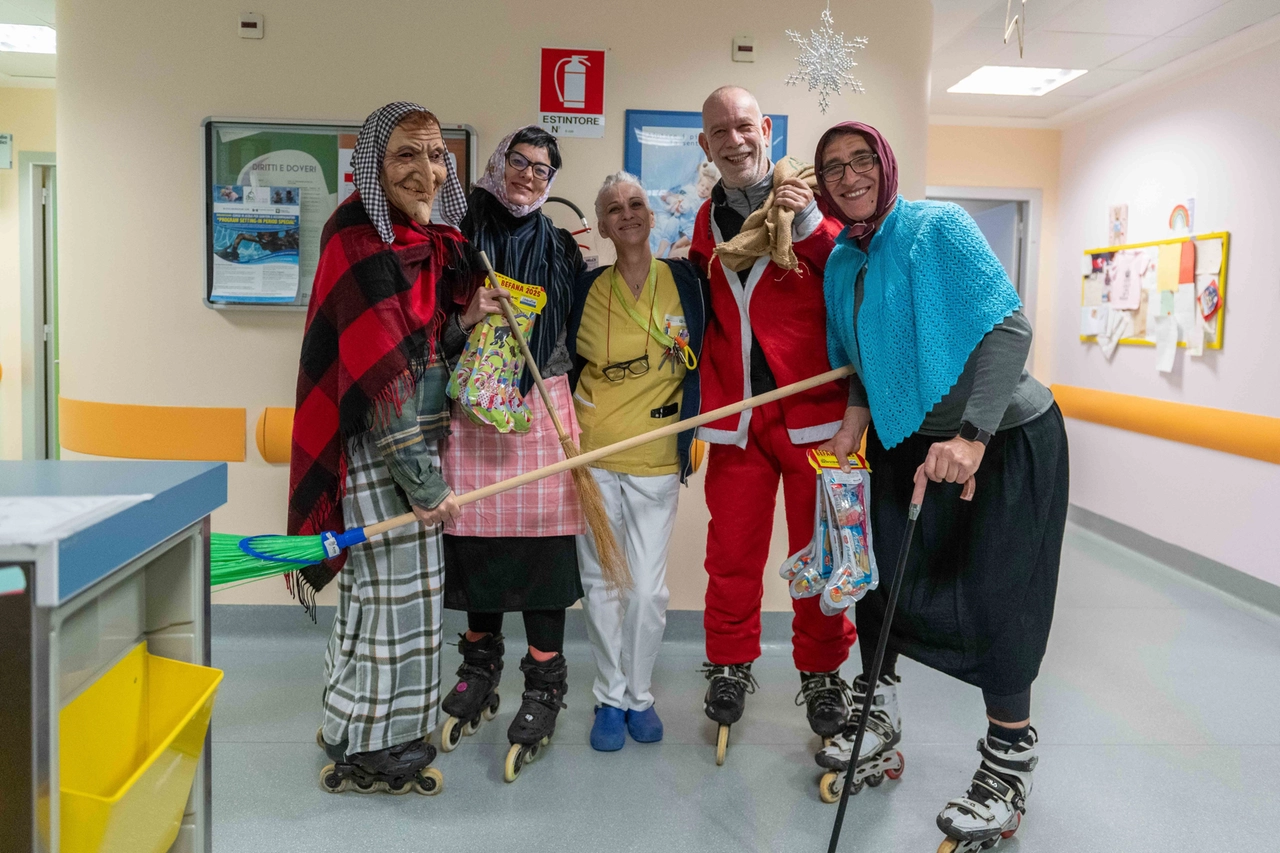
(750,452)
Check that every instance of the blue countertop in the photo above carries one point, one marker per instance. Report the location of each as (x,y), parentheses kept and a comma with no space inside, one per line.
(181,493)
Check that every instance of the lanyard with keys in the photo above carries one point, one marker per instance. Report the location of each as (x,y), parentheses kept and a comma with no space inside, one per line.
(675,347)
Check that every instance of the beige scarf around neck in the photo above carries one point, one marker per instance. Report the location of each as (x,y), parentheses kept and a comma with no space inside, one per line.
(767,231)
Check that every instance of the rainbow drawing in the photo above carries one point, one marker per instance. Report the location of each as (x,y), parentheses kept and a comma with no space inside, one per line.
(1180,218)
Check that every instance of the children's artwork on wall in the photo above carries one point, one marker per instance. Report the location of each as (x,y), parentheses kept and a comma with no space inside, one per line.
(1183,217)
(1166,293)
(662,150)
(1117,224)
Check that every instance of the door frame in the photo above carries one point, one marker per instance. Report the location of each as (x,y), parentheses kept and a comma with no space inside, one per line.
(1034,199)
(31,266)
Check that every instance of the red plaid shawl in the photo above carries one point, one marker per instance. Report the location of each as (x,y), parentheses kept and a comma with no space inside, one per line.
(376,310)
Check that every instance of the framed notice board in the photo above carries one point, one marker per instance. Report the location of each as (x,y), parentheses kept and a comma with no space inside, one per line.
(270,186)
(1184,277)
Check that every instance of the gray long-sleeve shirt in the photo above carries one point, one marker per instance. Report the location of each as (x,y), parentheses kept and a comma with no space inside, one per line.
(994,392)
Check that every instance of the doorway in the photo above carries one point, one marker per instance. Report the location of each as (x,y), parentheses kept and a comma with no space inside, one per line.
(1010,220)
(38,226)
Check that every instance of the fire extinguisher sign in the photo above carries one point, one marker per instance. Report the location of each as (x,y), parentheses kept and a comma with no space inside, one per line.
(571,93)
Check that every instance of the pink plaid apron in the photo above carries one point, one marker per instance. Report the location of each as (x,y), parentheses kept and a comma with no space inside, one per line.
(476,456)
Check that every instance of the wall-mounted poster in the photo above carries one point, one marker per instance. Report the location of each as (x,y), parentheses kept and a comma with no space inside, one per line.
(255,243)
(310,160)
(662,149)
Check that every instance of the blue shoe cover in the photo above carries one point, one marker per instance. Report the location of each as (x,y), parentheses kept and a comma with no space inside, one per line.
(645,726)
(607,733)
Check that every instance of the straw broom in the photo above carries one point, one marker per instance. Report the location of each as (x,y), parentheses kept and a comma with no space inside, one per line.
(613,563)
(235,558)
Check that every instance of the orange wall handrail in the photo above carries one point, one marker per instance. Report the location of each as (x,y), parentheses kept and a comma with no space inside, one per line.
(152,432)
(274,434)
(1240,433)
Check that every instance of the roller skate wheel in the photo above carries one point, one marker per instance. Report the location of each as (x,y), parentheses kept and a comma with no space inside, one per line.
(874,780)
(331,781)
(451,734)
(492,711)
(829,787)
(722,744)
(471,727)
(1017,818)
(429,782)
(515,760)
(402,790)
(948,845)
(894,773)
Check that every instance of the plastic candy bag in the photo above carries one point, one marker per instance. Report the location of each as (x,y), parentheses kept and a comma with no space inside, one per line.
(486,381)
(838,564)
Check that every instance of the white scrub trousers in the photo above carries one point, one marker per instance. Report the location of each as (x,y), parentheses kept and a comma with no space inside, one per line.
(626,634)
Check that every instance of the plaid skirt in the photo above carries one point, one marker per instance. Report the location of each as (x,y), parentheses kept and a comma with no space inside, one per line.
(476,456)
(382,674)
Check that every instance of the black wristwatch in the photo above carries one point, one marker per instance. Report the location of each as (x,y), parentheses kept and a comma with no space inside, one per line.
(969,432)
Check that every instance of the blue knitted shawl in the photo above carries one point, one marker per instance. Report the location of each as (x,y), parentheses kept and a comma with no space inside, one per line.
(932,291)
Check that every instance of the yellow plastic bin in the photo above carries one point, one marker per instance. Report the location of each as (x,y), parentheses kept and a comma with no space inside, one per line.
(129,747)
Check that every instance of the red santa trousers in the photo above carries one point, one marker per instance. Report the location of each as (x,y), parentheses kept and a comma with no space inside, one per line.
(741,489)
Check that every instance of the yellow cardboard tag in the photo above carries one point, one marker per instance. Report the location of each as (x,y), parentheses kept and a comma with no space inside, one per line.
(821,459)
(528,298)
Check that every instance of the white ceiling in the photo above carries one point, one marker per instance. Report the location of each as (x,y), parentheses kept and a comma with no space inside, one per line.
(27,69)
(1116,41)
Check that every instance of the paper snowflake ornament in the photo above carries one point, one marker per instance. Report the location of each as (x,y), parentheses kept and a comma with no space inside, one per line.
(825,61)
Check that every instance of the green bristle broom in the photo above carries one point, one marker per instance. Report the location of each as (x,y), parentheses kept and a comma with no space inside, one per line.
(236,559)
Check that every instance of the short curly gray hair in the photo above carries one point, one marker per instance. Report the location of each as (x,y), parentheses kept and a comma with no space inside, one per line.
(618,177)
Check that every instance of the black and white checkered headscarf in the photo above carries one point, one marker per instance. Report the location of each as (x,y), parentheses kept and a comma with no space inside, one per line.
(366,165)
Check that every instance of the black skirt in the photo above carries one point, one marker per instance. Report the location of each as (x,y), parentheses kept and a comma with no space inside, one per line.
(979,585)
(508,574)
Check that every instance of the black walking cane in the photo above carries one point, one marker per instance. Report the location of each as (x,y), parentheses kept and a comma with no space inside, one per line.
(917,498)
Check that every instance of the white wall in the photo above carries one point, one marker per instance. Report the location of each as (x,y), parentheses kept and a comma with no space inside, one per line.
(1215,137)
(129,109)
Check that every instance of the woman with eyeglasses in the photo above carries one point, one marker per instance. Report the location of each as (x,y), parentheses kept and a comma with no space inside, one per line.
(919,305)
(636,333)
(515,552)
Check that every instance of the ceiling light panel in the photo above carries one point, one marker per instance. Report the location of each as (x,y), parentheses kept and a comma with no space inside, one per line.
(21,38)
(1014,80)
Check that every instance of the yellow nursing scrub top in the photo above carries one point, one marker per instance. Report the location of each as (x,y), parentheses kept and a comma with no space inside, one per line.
(612,411)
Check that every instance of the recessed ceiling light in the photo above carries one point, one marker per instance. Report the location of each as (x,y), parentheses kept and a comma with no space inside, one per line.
(20,38)
(1014,80)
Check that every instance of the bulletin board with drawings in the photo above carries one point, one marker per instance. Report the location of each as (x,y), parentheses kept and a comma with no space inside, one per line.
(1164,293)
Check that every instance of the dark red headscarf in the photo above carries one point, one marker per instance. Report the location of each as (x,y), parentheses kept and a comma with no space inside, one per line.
(886,195)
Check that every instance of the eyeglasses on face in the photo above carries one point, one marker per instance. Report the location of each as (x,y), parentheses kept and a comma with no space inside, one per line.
(519,162)
(833,173)
(618,371)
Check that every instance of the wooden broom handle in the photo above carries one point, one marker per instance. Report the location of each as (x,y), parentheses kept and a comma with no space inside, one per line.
(626,444)
(529,362)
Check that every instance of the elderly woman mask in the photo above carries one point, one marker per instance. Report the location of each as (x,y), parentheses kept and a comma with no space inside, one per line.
(414,167)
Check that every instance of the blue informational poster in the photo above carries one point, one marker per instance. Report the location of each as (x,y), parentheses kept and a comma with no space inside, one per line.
(255,243)
(662,150)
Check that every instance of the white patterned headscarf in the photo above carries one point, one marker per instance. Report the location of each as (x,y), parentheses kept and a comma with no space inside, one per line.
(494,178)
(366,167)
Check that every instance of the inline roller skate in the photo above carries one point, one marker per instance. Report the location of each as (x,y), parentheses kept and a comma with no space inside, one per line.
(727,698)
(396,770)
(823,695)
(878,757)
(475,696)
(336,753)
(545,683)
(992,809)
